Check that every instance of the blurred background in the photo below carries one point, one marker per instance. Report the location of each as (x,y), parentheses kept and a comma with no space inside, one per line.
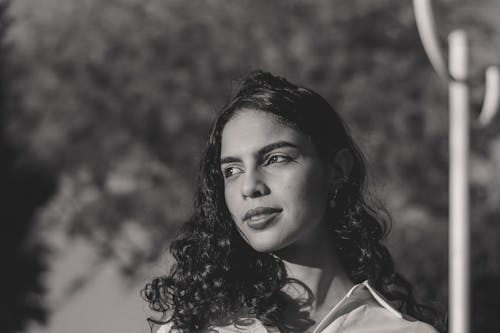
(105,106)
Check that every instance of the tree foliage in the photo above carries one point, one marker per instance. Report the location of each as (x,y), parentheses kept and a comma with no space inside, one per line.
(24,189)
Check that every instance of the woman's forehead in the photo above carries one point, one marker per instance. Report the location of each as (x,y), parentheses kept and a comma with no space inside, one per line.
(250,130)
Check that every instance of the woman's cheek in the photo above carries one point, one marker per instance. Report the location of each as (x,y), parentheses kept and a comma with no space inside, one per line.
(230,197)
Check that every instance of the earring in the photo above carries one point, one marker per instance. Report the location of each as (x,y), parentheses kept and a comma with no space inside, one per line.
(332,195)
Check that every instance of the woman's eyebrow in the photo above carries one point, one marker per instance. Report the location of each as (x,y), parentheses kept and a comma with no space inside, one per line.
(280,144)
(262,151)
(229,159)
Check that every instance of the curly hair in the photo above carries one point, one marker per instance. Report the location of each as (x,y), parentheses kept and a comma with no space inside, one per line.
(218,278)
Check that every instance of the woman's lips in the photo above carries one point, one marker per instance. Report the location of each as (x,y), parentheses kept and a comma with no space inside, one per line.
(260,217)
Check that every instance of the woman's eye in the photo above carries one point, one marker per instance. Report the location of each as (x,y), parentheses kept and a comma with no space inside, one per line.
(277,159)
(230,171)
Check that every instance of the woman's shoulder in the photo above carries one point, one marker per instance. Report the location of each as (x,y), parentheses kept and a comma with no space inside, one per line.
(362,310)
(374,318)
(368,311)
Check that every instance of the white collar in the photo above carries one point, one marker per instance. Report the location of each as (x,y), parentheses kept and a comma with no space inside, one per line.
(379,298)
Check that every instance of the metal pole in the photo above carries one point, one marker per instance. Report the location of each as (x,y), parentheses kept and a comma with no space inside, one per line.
(459,181)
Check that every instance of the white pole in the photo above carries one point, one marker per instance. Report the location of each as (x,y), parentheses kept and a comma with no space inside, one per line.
(459,181)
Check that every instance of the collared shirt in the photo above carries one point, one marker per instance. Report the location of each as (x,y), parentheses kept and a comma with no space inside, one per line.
(361,310)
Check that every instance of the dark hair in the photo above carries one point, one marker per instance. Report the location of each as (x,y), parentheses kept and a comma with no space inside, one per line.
(218,276)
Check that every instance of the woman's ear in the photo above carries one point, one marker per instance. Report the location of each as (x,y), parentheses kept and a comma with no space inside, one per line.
(341,167)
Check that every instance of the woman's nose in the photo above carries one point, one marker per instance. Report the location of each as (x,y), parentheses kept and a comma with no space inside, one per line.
(253,185)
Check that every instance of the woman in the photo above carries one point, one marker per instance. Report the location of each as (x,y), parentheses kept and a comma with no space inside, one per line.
(283,238)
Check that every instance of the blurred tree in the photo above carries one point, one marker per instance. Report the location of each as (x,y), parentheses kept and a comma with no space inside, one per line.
(119,96)
(24,189)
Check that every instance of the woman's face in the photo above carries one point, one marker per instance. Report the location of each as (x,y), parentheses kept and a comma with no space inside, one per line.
(276,185)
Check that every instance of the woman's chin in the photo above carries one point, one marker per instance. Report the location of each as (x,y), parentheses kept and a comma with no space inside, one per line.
(266,245)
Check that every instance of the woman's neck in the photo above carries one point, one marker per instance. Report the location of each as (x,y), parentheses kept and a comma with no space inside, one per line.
(316,264)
